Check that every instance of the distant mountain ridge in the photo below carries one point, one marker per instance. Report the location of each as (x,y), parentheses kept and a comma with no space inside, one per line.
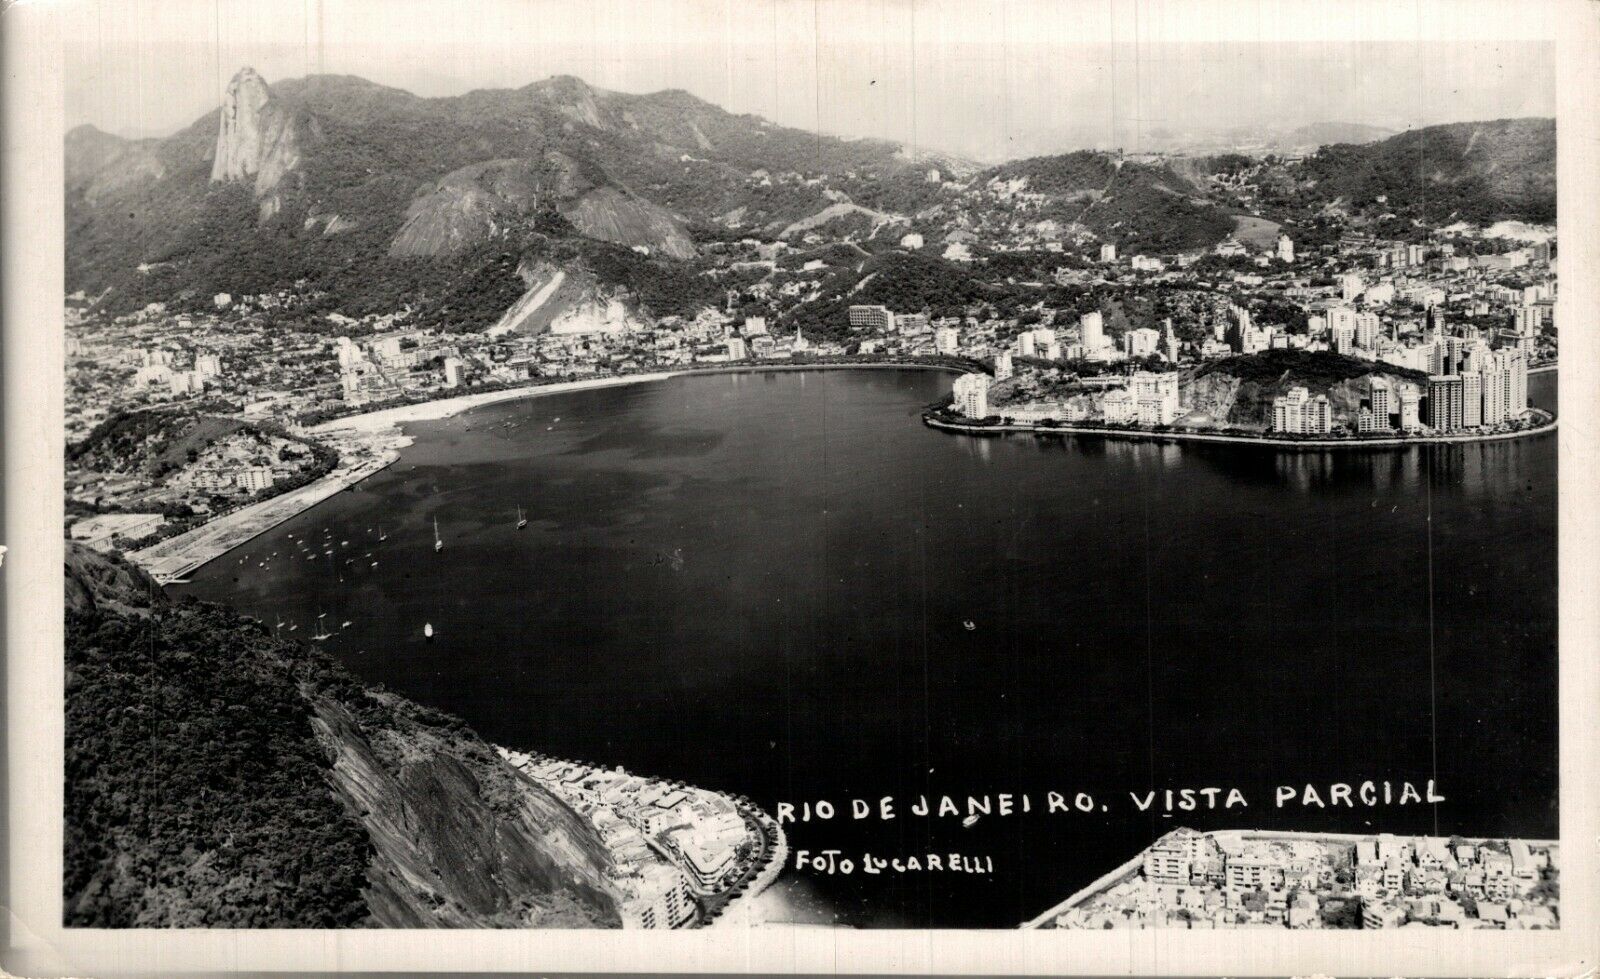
(1502,169)
(339,172)
(379,199)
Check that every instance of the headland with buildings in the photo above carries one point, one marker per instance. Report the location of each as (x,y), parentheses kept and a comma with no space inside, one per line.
(1268,879)
(684,857)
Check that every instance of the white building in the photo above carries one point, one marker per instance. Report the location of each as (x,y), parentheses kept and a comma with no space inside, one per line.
(1143,342)
(971,393)
(1002,365)
(1367,326)
(1119,407)
(946,339)
(1298,413)
(185,382)
(1092,333)
(1285,249)
(1108,252)
(1155,396)
(1410,409)
(869,318)
(99,531)
(253,478)
(453,372)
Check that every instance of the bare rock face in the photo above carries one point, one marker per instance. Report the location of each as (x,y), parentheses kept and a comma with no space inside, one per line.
(480,201)
(258,138)
(566,300)
(459,838)
(108,582)
(239,140)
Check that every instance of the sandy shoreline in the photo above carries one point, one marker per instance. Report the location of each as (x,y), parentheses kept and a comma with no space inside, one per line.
(380,432)
(376,421)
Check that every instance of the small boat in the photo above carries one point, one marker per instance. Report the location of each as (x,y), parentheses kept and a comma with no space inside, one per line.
(427,630)
(374,564)
(294,626)
(322,635)
(438,542)
(345,624)
(969,625)
(381,534)
(522,521)
(969,821)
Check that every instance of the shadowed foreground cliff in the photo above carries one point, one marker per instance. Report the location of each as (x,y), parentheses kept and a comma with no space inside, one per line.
(219,777)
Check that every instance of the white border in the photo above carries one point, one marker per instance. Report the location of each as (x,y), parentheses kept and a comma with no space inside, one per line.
(37,945)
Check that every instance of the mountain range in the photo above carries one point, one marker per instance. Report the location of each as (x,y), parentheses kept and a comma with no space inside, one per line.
(377,198)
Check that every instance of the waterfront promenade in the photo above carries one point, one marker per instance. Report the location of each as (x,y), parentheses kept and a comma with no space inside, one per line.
(176,557)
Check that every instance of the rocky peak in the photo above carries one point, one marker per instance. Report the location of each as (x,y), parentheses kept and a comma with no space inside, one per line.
(257,137)
(239,138)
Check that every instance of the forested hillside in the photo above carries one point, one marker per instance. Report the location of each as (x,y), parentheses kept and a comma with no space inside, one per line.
(218,776)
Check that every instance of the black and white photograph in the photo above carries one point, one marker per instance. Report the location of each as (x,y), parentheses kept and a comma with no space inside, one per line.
(809,467)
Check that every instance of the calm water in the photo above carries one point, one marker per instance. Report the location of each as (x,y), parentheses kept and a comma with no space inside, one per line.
(763,583)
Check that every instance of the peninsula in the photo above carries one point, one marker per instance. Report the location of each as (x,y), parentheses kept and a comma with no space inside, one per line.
(1281,397)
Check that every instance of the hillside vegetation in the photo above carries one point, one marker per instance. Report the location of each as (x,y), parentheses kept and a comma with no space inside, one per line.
(1477,172)
(217,776)
(1239,391)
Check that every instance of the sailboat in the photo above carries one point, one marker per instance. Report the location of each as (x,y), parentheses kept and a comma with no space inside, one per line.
(522,521)
(381,534)
(427,630)
(438,542)
(322,633)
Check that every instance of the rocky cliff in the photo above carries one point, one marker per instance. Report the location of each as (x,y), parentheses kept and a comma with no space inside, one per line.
(1239,391)
(484,200)
(103,583)
(220,777)
(459,838)
(258,137)
(568,299)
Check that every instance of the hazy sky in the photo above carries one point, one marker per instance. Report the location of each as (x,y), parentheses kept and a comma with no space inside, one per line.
(988,79)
